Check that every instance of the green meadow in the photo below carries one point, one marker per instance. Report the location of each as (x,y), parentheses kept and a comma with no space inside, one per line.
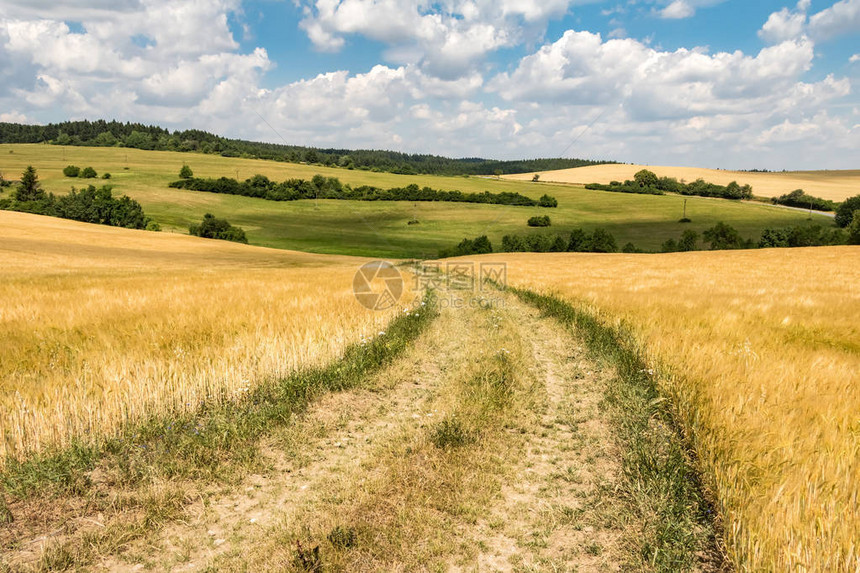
(380,228)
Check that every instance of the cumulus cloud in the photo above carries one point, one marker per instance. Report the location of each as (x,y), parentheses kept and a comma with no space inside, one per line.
(447,39)
(841,18)
(176,63)
(785,24)
(677,10)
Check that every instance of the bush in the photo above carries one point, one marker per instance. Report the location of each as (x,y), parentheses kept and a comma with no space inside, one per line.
(540,221)
(722,236)
(854,229)
(845,211)
(214,228)
(548,201)
(106,176)
(71,171)
(479,246)
(688,241)
(798,198)
(99,206)
(578,242)
(185,172)
(88,173)
(602,241)
(153,226)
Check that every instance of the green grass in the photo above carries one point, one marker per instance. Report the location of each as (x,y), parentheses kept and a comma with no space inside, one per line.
(373,228)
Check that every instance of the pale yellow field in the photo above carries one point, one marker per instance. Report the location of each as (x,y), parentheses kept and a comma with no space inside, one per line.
(102,325)
(833,185)
(760,351)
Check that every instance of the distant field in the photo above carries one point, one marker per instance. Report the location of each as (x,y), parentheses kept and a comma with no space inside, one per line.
(833,185)
(760,353)
(103,325)
(379,229)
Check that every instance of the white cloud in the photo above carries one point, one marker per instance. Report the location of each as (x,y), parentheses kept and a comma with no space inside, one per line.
(677,10)
(854,59)
(176,63)
(785,24)
(13,117)
(447,39)
(841,18)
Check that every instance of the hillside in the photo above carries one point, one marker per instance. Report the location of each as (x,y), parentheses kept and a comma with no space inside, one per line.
(833,185)
(379,228)
(149,137)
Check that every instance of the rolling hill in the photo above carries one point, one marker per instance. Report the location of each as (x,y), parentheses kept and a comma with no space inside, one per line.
(833,185)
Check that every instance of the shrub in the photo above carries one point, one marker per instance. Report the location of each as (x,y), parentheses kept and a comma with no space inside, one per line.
(185,172)
(578,242)
(106,176)
(798,198)
(214,228)
(854,229)
(722,236)
(688,241)
(71,171)
(548,201)
(602,241)
(845,211)
(540,221)
(88,173)
(153,226)
(479,246)
(536,177)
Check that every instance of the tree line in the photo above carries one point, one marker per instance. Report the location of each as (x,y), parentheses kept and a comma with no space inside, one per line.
(139,136)
(721,236)
(646,182)
(321,187)
(90,205)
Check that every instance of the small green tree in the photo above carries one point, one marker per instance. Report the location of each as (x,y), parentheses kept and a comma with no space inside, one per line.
(29,189)
(854,229)
(536,177)
(185,172)
(845,211)
(688,241)
(578,241)
(548,201)
(722,236)
(602,241)
(88,173)
(71,171)
(646,178)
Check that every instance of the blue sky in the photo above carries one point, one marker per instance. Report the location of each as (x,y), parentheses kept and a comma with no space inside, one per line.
(715,83)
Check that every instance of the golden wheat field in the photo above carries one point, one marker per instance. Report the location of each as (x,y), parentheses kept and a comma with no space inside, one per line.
(760,351)
(833,185)
(102,325)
